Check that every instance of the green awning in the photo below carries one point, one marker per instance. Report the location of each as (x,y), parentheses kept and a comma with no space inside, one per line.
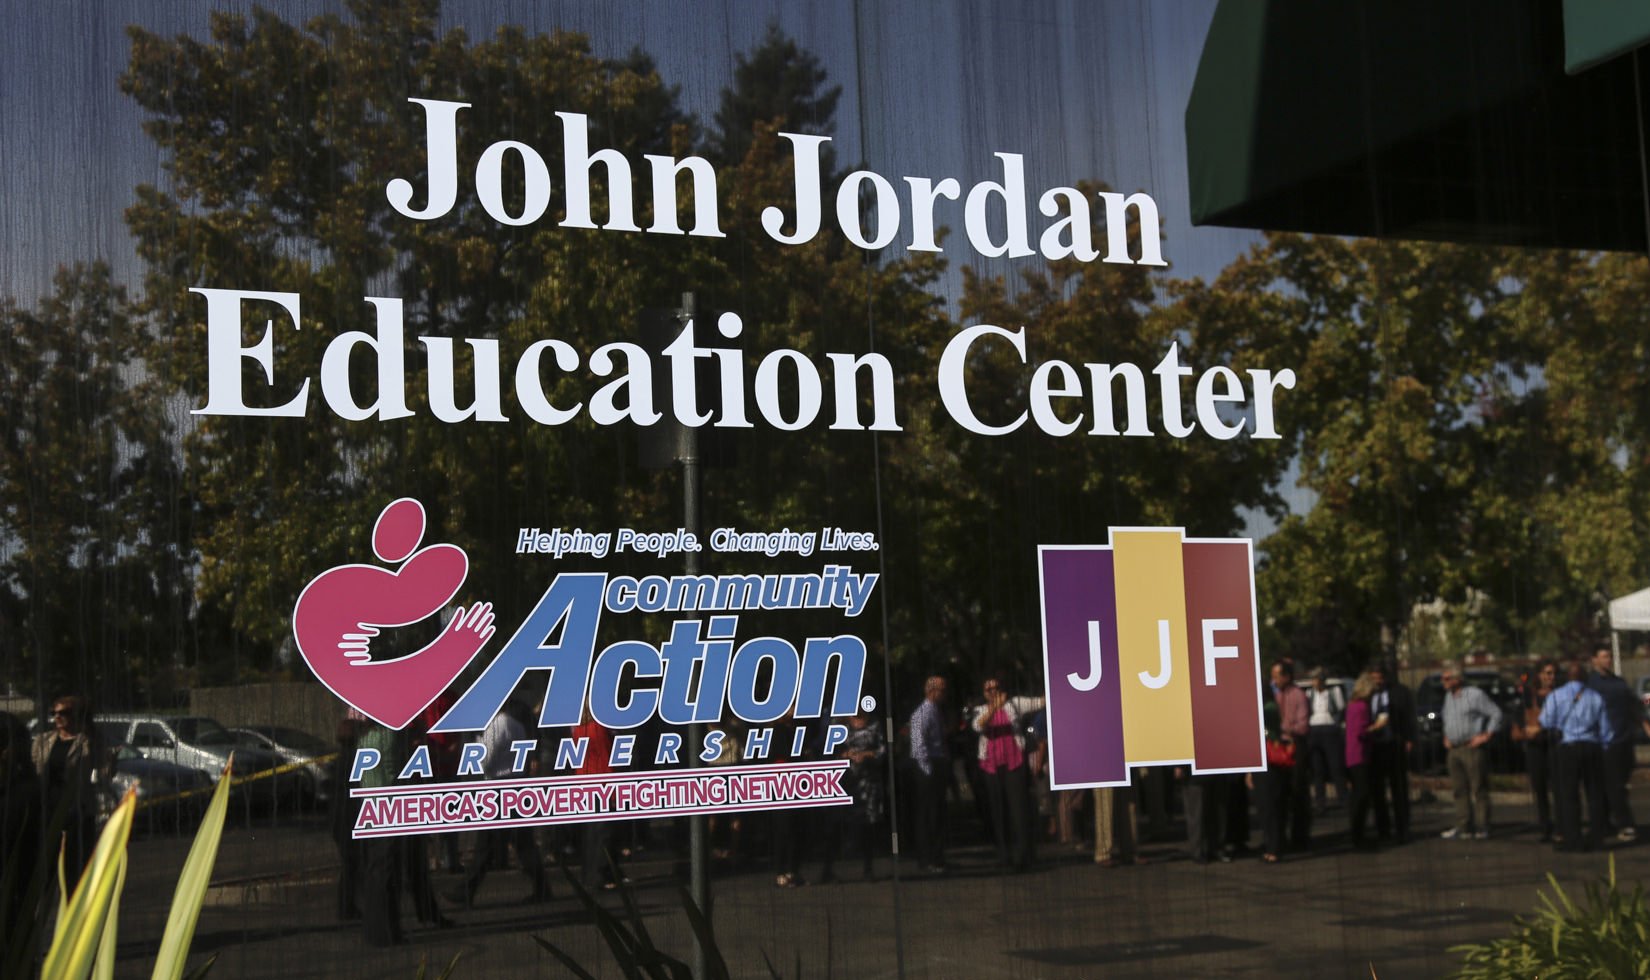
(1413,120)
(1597,30)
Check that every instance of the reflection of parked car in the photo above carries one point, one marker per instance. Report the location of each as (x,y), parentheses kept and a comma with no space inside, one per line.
(1429,719)
(168,794)
(294,748)
(198,743)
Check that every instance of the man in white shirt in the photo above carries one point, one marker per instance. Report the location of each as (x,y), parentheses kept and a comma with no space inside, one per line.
(492,846)
(1326,738)
(932,759)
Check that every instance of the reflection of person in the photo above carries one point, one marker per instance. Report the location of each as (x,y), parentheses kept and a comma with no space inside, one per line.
(342,812)
(865,781)
(1238,830)
(70,762)
(492,846)
(1275,784)
(792,828)
(1294,724)
(601,862)
(19,824)
(1002,756)
(415,858)
(444,750)
(1363,729)
(1326,742)
(1389,750)
(1204,797)
(1579,716)
(382,858)
(1470,721)
(1538,743)
(1626,720)
(1116,826)
(727,830)
(932,760)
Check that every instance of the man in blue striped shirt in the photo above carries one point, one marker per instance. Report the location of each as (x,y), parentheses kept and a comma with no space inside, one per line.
(1578,714)
(1471,720)
(933,763)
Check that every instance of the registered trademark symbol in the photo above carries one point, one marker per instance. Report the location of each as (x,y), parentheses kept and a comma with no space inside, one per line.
(867,703)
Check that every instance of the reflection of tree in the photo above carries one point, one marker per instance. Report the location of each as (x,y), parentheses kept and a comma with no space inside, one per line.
(778,80)
(1437,470)
(91,583)
(1469,420)
(985,502)
(278,140)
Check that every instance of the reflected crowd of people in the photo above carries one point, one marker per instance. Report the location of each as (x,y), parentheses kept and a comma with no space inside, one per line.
(1347,744)
(970,778)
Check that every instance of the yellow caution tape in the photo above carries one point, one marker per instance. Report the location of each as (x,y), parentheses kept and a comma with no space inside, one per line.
(239,780)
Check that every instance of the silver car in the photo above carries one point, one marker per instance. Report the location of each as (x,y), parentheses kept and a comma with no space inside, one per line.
(295,748)
(200,743)
(168,794)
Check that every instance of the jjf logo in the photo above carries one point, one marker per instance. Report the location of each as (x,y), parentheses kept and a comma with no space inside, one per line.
(1150,656)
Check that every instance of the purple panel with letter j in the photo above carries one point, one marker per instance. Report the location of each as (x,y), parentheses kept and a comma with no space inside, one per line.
(1085,717)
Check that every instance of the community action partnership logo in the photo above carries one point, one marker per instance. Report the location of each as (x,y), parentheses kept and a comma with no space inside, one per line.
(1150,656)
(688,679)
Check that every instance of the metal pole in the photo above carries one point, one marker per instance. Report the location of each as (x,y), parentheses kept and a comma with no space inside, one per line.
(698,844)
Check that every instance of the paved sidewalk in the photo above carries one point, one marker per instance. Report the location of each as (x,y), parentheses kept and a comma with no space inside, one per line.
(1329,913)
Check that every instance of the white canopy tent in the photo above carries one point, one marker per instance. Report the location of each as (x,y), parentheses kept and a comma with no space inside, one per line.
(1630,612)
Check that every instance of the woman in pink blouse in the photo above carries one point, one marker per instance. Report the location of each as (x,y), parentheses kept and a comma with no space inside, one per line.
(1003,762)
(1360,727)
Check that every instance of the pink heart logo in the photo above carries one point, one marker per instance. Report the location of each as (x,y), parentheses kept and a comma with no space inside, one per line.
(340,612)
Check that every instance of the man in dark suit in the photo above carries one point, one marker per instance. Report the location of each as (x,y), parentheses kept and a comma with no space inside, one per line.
(1626,713)
(1390,754)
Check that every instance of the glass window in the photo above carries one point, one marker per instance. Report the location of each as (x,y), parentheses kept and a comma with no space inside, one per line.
(898,474)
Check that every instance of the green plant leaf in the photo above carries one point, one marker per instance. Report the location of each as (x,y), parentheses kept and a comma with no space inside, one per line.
(1602,935)
(619,941)
(200,972)
(62,881)
(1569,906)
(638,927)
(446,971)
(192,882)
(572,965)
(103,968)
(715,966)
(82,918)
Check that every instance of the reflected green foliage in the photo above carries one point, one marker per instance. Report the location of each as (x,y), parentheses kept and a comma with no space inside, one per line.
(1470,425)
(305,112)
(967,538)
(1603,936)
(93,583)
(778,80)
(1467,422)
